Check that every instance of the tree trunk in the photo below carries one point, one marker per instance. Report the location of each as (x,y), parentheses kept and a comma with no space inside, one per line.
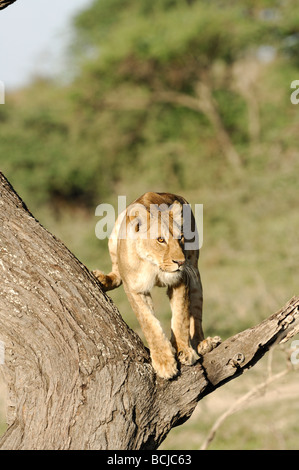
(78,377)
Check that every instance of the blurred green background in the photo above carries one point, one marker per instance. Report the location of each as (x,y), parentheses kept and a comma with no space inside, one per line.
(190,97)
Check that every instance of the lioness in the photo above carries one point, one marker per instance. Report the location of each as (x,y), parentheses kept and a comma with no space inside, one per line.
(148,248)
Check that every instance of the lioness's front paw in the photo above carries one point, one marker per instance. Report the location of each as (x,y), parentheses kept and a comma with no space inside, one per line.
(208,344)
(100,276)
(97,273)
(166,367)
(187,356)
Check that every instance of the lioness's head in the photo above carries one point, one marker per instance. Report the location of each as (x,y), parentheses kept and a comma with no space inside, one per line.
(158,233)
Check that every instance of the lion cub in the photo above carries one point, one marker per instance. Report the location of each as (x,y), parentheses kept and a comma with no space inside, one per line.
(149,247)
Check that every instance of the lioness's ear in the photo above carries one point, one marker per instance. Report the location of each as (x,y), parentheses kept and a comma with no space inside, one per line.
(138,223)
(176,210)
(137,218)
(154,210)
(176,213)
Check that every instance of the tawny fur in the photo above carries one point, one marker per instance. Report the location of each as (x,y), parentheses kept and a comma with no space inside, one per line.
(141,261)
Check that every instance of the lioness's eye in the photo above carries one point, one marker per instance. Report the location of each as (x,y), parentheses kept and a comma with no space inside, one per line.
(161,240)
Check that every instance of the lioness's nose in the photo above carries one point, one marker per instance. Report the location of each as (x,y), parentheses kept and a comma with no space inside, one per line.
(179,262)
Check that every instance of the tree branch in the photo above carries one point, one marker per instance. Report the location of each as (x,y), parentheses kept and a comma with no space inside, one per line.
(205,103)
(78,377)
(249,346)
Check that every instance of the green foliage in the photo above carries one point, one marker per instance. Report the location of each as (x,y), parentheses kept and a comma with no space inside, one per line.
(80,143)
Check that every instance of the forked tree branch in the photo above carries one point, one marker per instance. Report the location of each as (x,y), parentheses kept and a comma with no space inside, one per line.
(78,377)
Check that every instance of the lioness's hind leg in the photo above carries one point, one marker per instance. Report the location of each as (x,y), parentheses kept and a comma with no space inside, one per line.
(196,332)
(208,344)
(200,344)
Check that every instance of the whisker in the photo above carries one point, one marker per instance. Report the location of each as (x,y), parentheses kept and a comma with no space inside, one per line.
(190,271)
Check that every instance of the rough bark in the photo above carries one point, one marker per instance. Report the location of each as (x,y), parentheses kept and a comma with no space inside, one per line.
(78,377)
